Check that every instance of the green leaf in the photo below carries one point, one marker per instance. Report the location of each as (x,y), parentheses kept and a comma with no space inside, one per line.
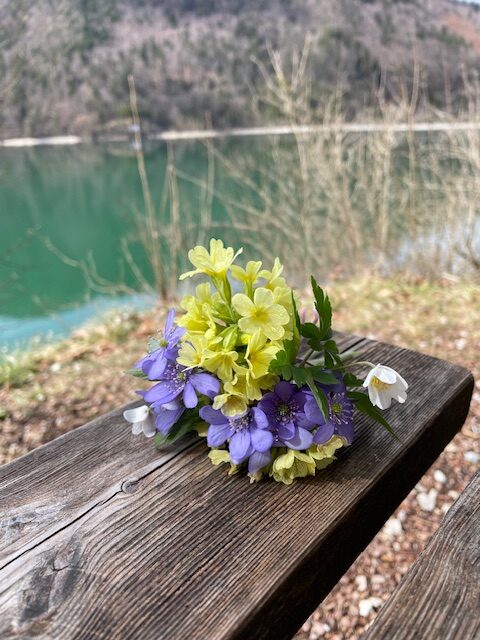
(312,335)
(324,309)
(184,425)
(136,373)
(323,377)
(351,380)
(319,396)
(364,405)
(298,322)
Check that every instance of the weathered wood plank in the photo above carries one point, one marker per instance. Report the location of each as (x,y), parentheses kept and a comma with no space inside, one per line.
(440,596)
(185,552)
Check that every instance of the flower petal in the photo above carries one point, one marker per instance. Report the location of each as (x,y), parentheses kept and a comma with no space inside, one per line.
(138,414)
(149,427)
(217,434)
(284,390)
(169,322)
(260,418)
(301,440)
(239,446)
(242,304)
(161,392)
(323,433)
(189,396)
(257,461)
(158,367)
(205,383)
(212,416)
(262,440)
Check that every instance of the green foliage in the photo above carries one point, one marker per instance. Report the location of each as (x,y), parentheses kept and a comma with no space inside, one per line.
(364,405)
(186,423)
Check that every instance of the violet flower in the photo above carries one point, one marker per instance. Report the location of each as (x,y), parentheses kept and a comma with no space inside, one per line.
(176,381)
(248,435)
(284,408)
(340,414)
(153,364)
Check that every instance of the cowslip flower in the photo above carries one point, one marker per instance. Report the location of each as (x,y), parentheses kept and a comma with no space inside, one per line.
(291,465)
(246,434)
(178,381)
(261,314)
(260,354)
(214,263)
(249,276)
(384,384)
(141,420)
(284,408)
(154,363)
(340,414)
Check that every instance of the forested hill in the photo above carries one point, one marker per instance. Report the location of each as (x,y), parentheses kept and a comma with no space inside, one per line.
(64,63)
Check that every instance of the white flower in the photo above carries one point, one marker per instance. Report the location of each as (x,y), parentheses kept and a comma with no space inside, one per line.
(383,384)
(141,420)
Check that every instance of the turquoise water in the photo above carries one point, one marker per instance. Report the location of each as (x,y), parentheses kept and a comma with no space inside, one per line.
(64,204)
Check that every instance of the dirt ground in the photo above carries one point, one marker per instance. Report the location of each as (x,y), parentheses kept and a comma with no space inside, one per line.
(59,387)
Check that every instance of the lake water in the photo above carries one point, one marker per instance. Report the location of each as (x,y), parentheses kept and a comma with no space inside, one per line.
(59,205)
(80,201)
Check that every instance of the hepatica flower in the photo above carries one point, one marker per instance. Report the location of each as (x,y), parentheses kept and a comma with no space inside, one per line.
(284,408)
(178,382)
(340,414)
(248,435)
(384,384)
(154,363)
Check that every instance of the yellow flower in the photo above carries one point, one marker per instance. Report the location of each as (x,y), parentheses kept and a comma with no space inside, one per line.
(219,456)
(233,400)
(192,350)
(292,464)
(214,263)
(259,354)
(273,277)
(261,314)
(220,362)
(199,316)
(323,454)
(248,276)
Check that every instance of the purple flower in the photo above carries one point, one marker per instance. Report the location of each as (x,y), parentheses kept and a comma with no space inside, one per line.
(248,435)
(176,381)
(154,363)
(284,408)
(340,414)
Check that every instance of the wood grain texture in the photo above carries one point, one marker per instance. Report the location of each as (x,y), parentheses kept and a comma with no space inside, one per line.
(439,598)
(106,538)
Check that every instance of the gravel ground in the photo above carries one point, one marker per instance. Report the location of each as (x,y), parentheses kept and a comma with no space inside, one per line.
(63,386)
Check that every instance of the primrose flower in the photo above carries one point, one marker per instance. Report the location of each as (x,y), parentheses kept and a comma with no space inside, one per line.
(213,263)
(274,277)
(177,381)
(261,314)
(340,414)
(291,465)
(249,276)
(141,420)
(284,408)
(323,454)
(260,354)
(384,384)
(199,311)
(246,433)
(154,363)
(233,400)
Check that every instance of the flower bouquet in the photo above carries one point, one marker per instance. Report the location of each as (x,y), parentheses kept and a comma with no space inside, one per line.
(269,390)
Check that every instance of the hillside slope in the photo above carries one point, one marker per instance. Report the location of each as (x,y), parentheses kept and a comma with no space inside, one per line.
(63,64)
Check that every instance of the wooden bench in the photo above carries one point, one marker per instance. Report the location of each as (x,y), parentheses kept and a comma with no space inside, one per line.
(439,598)
(103,536)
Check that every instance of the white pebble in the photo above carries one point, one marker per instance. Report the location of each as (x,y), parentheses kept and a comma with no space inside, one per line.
(361,582)
(366,606)
(56,366)
(393,527)
(427,501)
(439,476)
(472,456)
